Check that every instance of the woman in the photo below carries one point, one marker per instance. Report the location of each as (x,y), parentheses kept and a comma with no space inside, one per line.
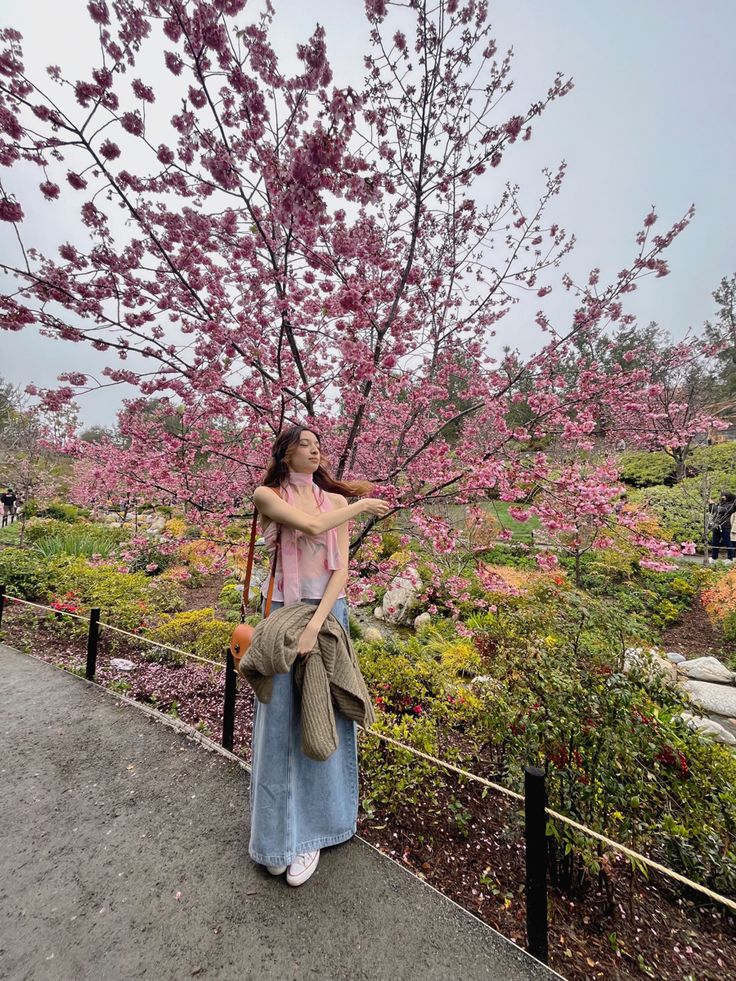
(299,805)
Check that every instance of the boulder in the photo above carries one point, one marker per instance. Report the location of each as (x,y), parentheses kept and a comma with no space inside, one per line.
(712,698)
(121,664)
(400,597)
(157,526)
(422,620)
(378,613)
(674,657)
(707,669)
(372,635)
(709,728)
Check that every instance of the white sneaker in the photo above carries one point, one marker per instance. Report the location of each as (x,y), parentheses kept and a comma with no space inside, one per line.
(276,869)
(302,868)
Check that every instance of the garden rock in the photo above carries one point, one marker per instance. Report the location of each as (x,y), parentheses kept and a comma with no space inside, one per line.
(674,657)
(652,664)
(422,620)
(707,669)
(372,635)
(378,613)
(400,597)
(713,698)
(157,525)
(709,728)
(121,664)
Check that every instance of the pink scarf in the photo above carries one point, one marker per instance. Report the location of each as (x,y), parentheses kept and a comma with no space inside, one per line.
(291,587)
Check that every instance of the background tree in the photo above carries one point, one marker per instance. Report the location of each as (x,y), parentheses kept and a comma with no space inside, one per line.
(29,462)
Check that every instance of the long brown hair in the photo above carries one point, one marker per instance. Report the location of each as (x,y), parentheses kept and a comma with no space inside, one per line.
(281,453)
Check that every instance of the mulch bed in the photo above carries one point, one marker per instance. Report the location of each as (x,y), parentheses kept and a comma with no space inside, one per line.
(468,847)
(694,635)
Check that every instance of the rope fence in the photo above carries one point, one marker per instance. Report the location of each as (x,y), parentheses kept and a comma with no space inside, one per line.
(119,630)
(534,778)
(624,849)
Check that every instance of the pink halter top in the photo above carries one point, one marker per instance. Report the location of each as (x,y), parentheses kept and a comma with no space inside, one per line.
(305,562)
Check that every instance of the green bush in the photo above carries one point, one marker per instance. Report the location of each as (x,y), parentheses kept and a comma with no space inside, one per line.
(125,599)
(720,458)
(680,510)
(553,693)
(647,469)
(391,776)
(25,573)
(62,512)
(195,631)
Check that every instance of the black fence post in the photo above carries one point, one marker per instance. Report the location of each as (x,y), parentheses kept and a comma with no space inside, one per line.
(228,715)
(535,832)
(92,637)
(2,603)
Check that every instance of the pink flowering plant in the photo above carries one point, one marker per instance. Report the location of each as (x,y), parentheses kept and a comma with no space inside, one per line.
(294,248)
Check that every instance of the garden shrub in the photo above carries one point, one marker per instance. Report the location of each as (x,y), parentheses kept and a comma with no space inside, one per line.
(720,458)
(125,599)
(644,469)
(230,600)
(681,509)
(392,777)
(720,602)
(176,528)
(61,511)
(196,631)
(553,693)
(149,554)
(24,573)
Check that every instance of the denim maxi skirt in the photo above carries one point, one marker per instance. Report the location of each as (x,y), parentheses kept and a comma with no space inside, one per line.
(299,805)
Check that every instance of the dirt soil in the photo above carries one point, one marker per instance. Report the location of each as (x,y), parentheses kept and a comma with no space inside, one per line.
(468,847)
(694,635)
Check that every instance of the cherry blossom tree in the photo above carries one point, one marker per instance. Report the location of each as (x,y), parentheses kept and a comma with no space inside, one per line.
(269,247)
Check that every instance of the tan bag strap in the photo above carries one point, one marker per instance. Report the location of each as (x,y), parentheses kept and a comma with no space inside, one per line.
(249,567)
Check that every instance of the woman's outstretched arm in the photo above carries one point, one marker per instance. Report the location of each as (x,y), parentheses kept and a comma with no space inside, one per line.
(272,506)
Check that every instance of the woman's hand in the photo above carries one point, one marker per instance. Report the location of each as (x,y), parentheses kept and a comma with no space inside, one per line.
(374,506)
(308,641)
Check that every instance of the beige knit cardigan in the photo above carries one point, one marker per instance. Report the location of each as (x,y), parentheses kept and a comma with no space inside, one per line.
(331,674)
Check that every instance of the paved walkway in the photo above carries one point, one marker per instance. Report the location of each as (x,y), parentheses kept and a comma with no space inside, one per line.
(123,854)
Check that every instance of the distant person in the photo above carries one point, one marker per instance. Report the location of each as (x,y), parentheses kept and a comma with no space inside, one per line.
(9,502)
(720,526)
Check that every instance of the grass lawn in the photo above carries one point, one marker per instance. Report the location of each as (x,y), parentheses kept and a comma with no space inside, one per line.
(521,530)
(10,535)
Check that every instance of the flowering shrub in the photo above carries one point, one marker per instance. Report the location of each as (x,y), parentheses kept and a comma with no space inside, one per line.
(550,690)
(202,556)
(68,603)
(176,528)
(152,556)
(720,602)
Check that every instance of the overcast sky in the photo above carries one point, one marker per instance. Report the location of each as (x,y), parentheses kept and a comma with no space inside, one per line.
(650,121)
